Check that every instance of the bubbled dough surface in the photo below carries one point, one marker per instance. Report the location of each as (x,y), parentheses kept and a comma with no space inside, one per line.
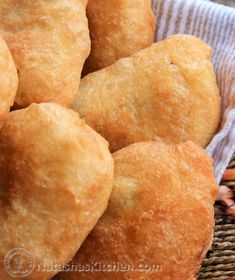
(118,28)
(166,92)
(160,212)
(55,180)
(49,41)
(8,79)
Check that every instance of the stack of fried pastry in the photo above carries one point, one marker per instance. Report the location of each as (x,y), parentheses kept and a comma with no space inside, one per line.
(143,212)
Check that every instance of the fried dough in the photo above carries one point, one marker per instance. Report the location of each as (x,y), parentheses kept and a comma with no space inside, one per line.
(118,28)
(49,41)
(160,218)
(166,92)
(8,79)
(55,181)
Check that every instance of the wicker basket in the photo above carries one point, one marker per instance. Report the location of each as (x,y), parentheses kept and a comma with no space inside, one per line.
(220,261)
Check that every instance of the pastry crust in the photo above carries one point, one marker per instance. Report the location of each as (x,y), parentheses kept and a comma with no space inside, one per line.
(8,79)
(118,28)
(166,92)
(49,41)
(160,213)
(55,181)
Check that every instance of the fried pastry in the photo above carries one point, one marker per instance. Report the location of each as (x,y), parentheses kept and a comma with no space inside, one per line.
(166,92)
(55,181)
(160,218)
(118,28)
(8,79)
(49,41)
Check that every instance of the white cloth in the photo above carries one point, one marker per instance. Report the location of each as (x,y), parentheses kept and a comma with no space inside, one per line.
(215,24)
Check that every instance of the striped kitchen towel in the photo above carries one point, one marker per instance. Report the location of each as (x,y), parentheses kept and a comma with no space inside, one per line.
(215,24)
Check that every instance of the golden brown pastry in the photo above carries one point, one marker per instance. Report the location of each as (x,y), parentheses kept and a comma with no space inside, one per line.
(55,180)
(118,28)
(159,221)
(8,79)
(166,92)
(49,41)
